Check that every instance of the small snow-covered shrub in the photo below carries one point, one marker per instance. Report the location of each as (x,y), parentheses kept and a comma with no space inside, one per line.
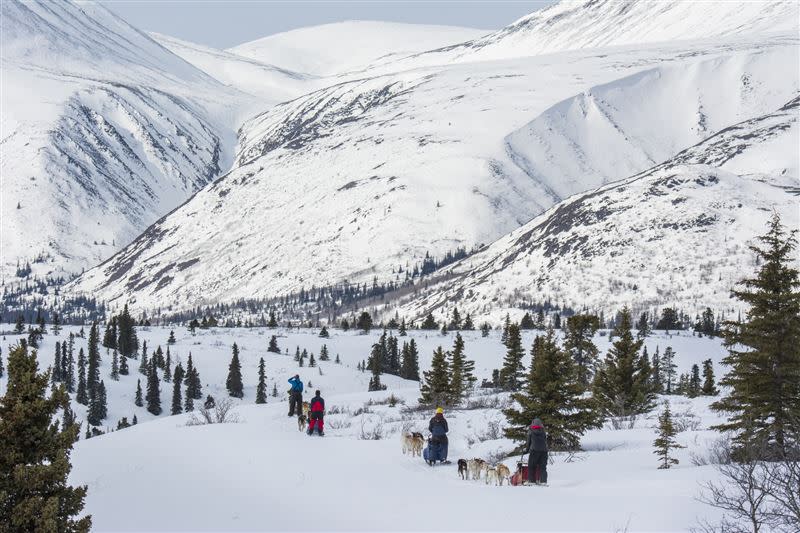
(373,432)
(338,409)
(221,413)
(487,401)
(686,420)
(338,423)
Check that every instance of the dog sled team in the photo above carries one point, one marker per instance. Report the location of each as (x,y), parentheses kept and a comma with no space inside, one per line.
(534,472)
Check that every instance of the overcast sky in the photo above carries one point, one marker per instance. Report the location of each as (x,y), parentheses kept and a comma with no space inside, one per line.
(222,24)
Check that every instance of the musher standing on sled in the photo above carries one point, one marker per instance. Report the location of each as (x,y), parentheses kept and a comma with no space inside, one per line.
(537,446)
(316,415)
(296,396)
(438,428)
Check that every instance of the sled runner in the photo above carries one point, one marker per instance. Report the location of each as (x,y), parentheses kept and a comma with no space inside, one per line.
(435,452)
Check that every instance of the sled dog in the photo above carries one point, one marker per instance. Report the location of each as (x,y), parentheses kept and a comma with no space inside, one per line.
(462,469)
(413,443)
(491,475)
(306,409)
(502,473)
(302,420)
(474,467)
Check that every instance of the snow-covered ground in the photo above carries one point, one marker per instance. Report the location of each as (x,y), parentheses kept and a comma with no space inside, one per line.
(262,473)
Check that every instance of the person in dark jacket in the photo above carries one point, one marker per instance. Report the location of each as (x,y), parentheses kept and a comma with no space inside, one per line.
(317,414)
(438,428)
(536,445)
(296,396)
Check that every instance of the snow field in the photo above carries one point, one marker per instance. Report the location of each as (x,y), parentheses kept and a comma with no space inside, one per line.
(263,474)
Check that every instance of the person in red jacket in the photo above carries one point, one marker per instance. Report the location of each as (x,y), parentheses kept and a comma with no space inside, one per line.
(317,407)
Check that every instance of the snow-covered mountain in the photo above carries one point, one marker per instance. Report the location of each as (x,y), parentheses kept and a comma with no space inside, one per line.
(675,234)
(104,130)
(361,178)
(588,24)
(341,47)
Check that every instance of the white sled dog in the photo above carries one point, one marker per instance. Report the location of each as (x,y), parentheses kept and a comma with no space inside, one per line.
(491,475)
(413,443)
(474,468)
(502,473)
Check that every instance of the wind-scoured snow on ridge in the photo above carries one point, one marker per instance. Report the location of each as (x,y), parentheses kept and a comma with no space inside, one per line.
(104,130)
(676,234)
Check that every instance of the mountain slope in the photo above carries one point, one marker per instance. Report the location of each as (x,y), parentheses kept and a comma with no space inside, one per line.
(675,234)
(365,177)
(104,131)
(331,49)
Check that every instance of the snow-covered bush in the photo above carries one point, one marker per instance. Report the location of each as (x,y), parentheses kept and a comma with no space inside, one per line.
(221,413)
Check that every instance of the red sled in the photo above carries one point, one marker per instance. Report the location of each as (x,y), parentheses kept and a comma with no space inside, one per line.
(521,475)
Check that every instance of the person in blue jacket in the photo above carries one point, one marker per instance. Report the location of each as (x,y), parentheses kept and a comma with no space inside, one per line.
(296,396)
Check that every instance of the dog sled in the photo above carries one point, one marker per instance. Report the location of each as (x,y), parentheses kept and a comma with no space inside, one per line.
(521,475)
(435,452)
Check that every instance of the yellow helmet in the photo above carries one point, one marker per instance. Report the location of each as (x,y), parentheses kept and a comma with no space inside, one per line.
(439,410)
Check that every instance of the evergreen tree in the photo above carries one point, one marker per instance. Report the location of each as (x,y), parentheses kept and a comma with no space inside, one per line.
(153,396)
(462,377)
(2,369)
(657,380)
(127,340)
(402,331)
(261,389)
(171,339)
(409,367)
(764,349)
(177,401)
(273,322)
(337,360)
(311,361)
(123,365)
(110,335)
(93,372)
(19,325)
(578,335)
(324,355)
(668,367)
(194,389)
(345,325)
(455,322)
(134,421)
(709,387)
(444,328)
(274,390)
(158,358)
(669,320)
(56,324)
(56,372)
(377,362)
(364,322)
(526,322)
(485,329)
(144,365)
(468,325)
(665,443)
(539,320)
(324,333)
(34,456)
(168,367)
(234,381)
(435,388)
(553,393)
(506,325)
(68,363)
(273,345)
(98,409)
(115,366)
(82,396)
(138,400)
(392,356)
(557,321)
(693,388)
(642,326)
(513,371)
(429,323)
(621,386)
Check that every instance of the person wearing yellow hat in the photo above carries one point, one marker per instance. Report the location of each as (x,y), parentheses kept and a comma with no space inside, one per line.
(438,443)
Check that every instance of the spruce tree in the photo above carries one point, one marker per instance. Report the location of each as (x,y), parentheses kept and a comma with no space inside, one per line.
(98,409)
(468,325)
(93,372)
(392,356)
(578,335)
(56,372)
(429,323)
(402,331)
(642,326)
(34,456)
(171,339)
(2,368)
(323,333)
(324,355)
(123,365)
(462,376)
(110,335)
(127,340)
(337,360)
(409,367)
(668,367)
(115,366)
(273,345)
(274,390)
(158,358)
(364,322)
(485,329)
(554,393)
(261,389)
(82,396)
(764,349)
(194,390)
(144,365)
(273,322)
(693,388)
(621,386)
(513,371)
(177,401)
(68,364)
(168,367)
(709,387)
(234,381)
(138,400)
(153,396)
(311,361)
(657,379)
(435,388)
(665,443)
(19,325)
